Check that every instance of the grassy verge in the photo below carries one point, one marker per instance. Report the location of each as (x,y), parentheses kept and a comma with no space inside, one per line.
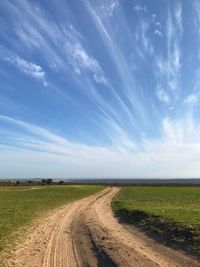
(168,214)
(19,206)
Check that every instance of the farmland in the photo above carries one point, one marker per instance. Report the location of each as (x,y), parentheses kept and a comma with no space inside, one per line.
(19,206)
(169,214)
(38,230)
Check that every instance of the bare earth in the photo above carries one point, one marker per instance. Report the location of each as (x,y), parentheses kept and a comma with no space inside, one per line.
(85,233)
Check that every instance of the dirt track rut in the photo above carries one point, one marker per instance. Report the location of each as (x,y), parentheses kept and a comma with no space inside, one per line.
(85,233)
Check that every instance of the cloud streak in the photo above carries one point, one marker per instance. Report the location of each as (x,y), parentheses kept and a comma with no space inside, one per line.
(24,66)
(122,98)
(44,146)
(28,68)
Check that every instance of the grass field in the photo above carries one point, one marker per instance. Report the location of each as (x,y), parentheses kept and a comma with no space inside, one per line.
(171,214)
(19,206)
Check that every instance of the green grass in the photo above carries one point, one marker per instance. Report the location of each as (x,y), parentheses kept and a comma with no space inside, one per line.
(170,213)
(181,204)
(19,206)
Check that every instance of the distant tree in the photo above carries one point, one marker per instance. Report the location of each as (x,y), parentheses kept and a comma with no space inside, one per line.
(44,181)
(17,182)
(61,182)
(30,182)
(49,181)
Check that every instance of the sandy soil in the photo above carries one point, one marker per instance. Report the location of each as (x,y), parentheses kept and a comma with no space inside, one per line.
(85,233)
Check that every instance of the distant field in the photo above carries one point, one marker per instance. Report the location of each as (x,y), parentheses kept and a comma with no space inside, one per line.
(170,213)
(20,205)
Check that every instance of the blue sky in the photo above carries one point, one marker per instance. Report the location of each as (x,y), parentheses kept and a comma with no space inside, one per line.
(99,88)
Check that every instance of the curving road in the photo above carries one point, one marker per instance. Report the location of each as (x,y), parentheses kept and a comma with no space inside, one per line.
(85,233)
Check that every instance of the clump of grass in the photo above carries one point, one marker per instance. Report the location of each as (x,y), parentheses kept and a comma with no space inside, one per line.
(168,214)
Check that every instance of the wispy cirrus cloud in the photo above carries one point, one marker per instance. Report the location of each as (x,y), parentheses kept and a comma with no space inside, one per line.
(155,22)
(157,25)
(163,157)
(159,33)
(140,8)
(33,31)
(142,38)
(121,85)
(110,6)
(174,51)
(168,65)
(80,60)
(163,96)
(178,15)
(27,67)
(192,99)
(118,58)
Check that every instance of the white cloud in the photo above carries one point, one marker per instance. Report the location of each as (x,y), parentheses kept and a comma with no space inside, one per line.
(170,29)
(117,56)
(140,8)
(172,131)
(110,6)
(175,154)
(99,78)
(163,155)
(27,67)
(169,66)
(176,58)
(153,18)
(155,21)
(168,70)
(113,5)
(196,6)
(33,38)
(70,52)
(178,15)
(158,24)
(142,38)
(34,130)
(80,60)
(183,131)
(162,65)
(191,99)
(121,141)
(196,18)
(159,33)
(144,28)
(163,96)
(43,141)
(72,57)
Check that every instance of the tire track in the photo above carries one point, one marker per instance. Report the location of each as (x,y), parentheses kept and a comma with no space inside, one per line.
(86,234)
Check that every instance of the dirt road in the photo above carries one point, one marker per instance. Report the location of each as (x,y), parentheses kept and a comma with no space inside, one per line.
(85,233)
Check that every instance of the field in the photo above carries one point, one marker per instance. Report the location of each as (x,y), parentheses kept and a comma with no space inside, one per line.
(170,214)
(19,206)
(87,232)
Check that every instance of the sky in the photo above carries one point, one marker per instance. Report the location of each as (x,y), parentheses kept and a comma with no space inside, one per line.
(107,88)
